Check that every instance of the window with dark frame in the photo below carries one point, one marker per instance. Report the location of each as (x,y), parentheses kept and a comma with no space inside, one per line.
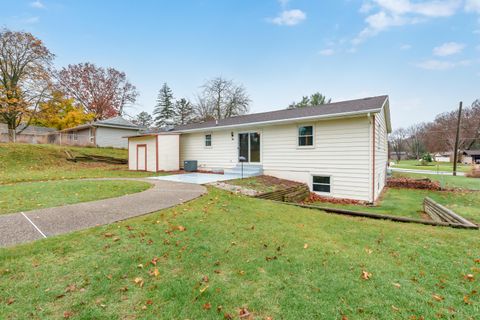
(321,184)
(305,136)
(208,140)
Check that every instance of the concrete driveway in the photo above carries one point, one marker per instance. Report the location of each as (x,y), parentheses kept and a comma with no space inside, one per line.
(37,224)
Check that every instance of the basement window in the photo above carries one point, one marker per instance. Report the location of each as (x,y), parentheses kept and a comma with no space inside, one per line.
(305,136)
(208,140)
(321,184)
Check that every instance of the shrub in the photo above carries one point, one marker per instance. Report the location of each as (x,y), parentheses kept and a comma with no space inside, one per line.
(474,172)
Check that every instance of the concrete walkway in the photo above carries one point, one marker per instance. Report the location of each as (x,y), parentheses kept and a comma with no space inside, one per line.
(444,173)
(28,226)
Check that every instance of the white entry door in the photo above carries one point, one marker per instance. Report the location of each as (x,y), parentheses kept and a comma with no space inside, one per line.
(141,157)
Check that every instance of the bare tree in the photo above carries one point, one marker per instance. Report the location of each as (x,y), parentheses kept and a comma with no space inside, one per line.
(25,65)
(398,140)
(414,140)
(103,92)
(221,99)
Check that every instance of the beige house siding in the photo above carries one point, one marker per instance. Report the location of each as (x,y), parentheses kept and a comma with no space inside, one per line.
(168,155)
(342,150)
(149,141)
(112,137)
(381,152)
(221,155)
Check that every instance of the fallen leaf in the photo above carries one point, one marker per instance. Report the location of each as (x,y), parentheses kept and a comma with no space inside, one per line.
(243,313)
(469,277)
(205,279)
(466,299)
(397,285)
(207,306)
(149,302)
(155,260)
(227,316)
(305,246)
(10,301)
(202,290)
(108,235)
(368,250)
(139,281)
(344,317)
(181,228)
(366,275)
(437,297)
(219,308)
(140,266)
(67,314)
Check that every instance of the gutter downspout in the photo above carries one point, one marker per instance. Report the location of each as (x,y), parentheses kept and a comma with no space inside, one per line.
(373,158)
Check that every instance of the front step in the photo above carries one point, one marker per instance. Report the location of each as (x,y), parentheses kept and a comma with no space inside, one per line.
(249,170)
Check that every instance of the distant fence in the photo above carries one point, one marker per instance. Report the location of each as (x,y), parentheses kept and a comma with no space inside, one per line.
(68,139)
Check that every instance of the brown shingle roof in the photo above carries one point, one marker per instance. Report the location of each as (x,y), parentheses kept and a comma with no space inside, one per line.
(372,104)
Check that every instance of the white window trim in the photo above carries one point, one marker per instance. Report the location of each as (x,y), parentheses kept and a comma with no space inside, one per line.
(205,140)
(321,175)
(313,136)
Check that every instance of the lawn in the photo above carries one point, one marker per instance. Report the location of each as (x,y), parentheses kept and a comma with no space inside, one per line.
(24,162)
(263,183)
(433,166)
(36,195)
(225,252)
(409,203)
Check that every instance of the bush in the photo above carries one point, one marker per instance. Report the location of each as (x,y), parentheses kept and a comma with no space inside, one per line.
(474,172)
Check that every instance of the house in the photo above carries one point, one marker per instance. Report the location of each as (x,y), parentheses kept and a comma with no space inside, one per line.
(102,133)
(471,157)
(337,149)
(443,157)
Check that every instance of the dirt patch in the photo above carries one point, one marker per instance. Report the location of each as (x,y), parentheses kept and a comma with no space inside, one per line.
(313,197)
(409,183)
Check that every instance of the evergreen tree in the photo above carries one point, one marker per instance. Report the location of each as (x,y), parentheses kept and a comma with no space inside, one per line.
(184,111)
(143,119)
(164,109)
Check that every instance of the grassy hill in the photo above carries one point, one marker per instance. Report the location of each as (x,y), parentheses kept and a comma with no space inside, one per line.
(26,162)
(223,252)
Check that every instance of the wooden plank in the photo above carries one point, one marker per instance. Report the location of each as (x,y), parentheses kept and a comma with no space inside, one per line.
(433,208)
(383,216)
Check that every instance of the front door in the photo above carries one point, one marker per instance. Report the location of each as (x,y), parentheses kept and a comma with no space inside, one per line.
(249,146)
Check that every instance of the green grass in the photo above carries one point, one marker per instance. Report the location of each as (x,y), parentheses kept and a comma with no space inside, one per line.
(452,182)
(253,253)
(433,166)
(263,183)
(409,203)
(24,162)
(37,195)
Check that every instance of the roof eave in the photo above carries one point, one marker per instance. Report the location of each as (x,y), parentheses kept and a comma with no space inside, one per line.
(281,121)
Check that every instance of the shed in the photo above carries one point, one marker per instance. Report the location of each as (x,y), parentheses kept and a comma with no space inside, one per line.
(154,152)
(471,157)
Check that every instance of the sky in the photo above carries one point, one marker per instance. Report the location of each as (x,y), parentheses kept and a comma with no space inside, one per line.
(424,54)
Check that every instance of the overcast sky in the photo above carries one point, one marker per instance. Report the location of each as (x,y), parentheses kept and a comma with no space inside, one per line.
(424,54)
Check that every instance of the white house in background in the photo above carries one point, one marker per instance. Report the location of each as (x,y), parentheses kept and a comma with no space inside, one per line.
(338,149)
(102,133)
(443,157)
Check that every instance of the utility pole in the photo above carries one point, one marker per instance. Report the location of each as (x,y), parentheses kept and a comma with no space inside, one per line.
(457,137)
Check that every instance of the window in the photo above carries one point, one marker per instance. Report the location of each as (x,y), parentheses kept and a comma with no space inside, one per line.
(208,140)
(305,136)
(75,136)
(321,184)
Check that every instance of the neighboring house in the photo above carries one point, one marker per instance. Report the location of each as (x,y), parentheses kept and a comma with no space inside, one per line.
(31,134)
(338,149)
(443,157)
(102,133)
(471,157)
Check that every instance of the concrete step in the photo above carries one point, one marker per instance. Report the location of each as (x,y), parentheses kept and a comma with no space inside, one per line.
(248,170)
